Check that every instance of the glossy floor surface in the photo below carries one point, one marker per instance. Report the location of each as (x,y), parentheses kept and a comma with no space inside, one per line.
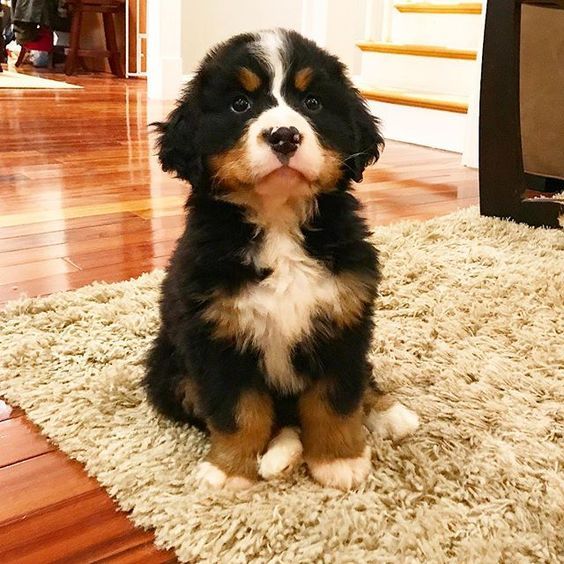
(82,198)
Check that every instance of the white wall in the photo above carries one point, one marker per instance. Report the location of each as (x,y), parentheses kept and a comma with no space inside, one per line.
(205,23)
(345,26)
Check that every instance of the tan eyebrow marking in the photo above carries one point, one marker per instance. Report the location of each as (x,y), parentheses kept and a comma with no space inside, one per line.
(303,78)
(248,79)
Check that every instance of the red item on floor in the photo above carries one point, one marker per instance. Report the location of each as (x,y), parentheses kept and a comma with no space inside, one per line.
(43,41)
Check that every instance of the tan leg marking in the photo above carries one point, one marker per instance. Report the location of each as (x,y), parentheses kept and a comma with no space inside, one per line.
(232,460)
(334,446)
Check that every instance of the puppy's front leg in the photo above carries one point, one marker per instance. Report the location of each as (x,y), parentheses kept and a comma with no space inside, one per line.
(334,445)
(232,460)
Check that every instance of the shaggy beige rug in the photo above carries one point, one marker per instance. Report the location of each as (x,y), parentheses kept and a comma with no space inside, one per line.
(14,79)
(470,328)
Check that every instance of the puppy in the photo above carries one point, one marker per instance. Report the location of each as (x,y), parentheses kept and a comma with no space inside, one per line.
(267,303)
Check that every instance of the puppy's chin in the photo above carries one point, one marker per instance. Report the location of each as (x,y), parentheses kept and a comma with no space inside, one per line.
(283,183)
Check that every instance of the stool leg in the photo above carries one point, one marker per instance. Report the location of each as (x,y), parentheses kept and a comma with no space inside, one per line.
(111,45)
(21,56)
(72,57)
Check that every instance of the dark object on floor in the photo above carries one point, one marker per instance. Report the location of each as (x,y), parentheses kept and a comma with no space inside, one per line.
(545,184)
(29,15)
(108,8)
(502,171)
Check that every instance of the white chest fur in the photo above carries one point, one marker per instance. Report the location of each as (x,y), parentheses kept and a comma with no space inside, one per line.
(276,313)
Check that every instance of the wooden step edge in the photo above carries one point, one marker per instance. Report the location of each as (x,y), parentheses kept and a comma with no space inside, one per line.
(429,8)
(418,101)
(419,50)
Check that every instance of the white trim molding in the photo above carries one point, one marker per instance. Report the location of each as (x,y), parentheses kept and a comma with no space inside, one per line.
(164,49)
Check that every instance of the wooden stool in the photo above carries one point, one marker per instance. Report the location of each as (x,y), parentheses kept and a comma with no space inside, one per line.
(107,8)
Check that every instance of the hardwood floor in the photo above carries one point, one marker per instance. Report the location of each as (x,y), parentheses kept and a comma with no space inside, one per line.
(82,198)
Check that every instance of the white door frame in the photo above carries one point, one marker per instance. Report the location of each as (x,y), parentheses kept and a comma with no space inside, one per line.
(164,49)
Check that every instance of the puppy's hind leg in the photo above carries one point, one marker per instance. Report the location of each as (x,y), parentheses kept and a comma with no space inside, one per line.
(387,417)
(166,383)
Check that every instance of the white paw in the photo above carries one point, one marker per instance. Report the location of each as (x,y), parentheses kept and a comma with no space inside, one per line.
(212,477)
(283,453)
(342,473)
(396,422)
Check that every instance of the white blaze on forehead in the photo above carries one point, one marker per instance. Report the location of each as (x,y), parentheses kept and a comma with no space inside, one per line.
(271,47)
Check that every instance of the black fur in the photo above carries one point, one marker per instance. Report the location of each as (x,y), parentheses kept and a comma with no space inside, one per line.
(210,254)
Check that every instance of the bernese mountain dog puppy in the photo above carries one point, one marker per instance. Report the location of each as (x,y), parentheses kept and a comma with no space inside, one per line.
(267,303)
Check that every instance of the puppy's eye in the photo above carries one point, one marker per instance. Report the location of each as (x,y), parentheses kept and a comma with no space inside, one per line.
(240,104)
(312,103)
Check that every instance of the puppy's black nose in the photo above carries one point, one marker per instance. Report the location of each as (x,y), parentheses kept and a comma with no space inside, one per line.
(283,140)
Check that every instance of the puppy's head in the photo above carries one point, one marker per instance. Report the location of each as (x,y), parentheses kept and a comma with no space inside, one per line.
(265,111)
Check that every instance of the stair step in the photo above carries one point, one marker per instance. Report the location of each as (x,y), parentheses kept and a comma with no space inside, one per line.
(424,24)
(414,70)
(419,125)
(438,8)
(418,50)
(455,104)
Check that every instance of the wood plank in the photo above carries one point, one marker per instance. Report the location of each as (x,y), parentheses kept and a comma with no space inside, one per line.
(20,440)
(140,233)
(138,252)
(418,50)
(145,553)
(112,226)
(439,8)
(39,482)
(65,225)
(28,271)
(84,528)
(9,220)
(405,98)
(45,285)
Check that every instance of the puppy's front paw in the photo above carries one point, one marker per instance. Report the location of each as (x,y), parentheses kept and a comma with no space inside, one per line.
(341,473)
(212,477)
(283,453)
(395,422)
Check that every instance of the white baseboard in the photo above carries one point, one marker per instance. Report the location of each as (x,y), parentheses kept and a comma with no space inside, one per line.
(421,126)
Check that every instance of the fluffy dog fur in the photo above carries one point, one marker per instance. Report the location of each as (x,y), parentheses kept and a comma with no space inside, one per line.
(267,304)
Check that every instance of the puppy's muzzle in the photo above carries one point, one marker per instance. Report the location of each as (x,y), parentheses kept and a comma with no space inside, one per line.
(284,141)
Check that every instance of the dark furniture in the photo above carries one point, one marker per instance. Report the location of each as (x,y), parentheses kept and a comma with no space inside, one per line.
(503,187)
(108,8)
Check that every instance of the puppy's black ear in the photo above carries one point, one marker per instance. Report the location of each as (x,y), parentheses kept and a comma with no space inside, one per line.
(368,141)
(177,142)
